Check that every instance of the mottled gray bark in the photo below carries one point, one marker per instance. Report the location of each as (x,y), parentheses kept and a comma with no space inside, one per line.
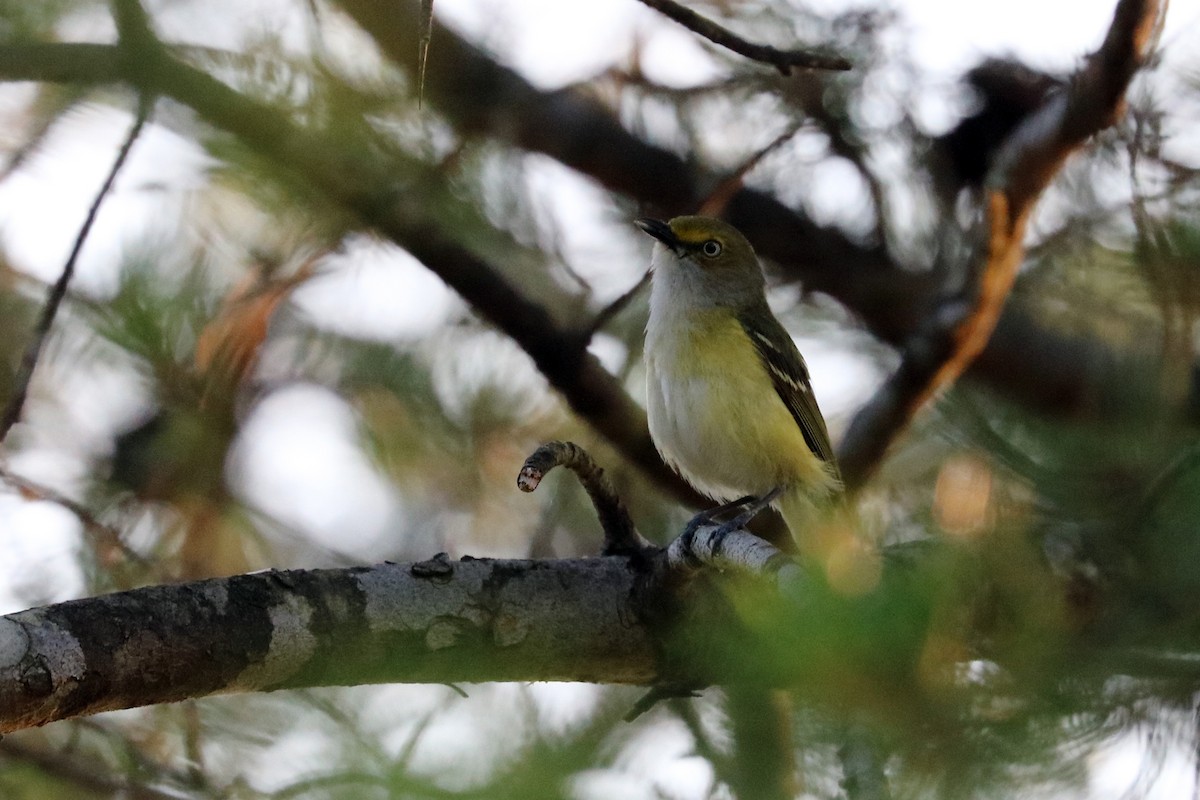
(436,621)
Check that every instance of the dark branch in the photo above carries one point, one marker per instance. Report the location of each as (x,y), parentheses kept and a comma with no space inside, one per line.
(606,314)
(1052,371)
(1049,370)
(133,27)
(960,324)
(346,174)
(78,64)
(16,403)
(782,60)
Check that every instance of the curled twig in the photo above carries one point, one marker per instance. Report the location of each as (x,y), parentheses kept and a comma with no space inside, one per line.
(782,60)
(620,536)
(703,546)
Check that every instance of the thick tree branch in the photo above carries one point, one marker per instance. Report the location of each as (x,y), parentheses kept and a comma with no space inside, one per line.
(782,60)
(962,322)
(601,620)
(436,622)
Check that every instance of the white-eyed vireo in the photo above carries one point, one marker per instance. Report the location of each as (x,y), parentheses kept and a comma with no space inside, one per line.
(728,394)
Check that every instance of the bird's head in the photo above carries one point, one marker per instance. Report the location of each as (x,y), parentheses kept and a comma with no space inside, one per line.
(706,254)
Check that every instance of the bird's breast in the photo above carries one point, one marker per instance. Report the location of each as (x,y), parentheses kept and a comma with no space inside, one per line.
(713,412)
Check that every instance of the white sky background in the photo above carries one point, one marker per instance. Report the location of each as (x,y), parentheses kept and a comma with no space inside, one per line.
(299,457)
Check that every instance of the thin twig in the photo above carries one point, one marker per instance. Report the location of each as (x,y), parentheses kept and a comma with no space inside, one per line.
(962,321)
(620,536)
(702,743)
(718,198)
(615,307)
(423,47)
(104,535)
(658,694)
(85,774)
(782,60)
(16,403)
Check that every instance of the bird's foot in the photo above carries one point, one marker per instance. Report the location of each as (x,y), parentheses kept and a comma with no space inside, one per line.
(709,516)
(752,507)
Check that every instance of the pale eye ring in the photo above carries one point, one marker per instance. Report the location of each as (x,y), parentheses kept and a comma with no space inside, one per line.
(711,248)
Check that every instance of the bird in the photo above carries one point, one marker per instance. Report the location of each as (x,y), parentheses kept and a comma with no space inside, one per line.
(729,399)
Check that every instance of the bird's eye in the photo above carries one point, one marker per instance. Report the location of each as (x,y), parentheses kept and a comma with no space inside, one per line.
(711,248)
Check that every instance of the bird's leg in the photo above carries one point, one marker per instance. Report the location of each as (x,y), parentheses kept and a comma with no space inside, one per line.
(707,516)
(751,511)
(752,506)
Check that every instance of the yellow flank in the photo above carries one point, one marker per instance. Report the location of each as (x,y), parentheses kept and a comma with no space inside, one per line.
(716,418)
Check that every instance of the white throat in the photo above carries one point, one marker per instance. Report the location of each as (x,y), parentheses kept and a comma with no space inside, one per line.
(674,293)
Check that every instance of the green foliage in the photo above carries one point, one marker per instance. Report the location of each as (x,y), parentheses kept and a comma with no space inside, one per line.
(157,315)
(34,21)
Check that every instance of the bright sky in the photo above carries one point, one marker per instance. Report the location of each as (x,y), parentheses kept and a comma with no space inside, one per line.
(553,43)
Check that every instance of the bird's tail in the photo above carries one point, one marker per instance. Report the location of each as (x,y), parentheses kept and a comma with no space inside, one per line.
(827,533)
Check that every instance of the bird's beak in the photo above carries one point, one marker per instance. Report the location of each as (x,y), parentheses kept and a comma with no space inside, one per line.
(659,230)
